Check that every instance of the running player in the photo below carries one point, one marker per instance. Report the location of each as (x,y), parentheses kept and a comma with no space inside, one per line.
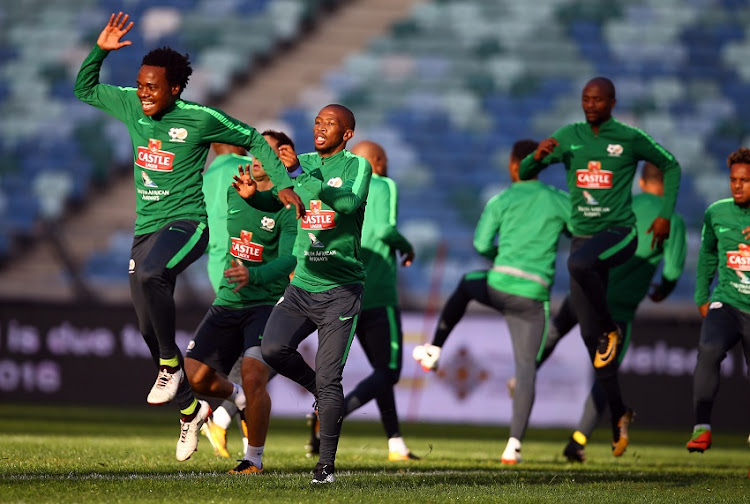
(600,158)
(325,293)
(379,326)
(258,265)
(529,217)
(629,284)
(725,245)
(170,138)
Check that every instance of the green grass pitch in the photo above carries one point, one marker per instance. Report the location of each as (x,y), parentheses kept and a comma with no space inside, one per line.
(81,455)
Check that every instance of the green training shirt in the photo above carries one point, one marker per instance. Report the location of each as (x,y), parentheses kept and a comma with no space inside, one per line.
(380,242)
(599,172)
(630,282)
(528,217)
(216,180)
(329,237)
(723,246)
(262,241)
(170,150)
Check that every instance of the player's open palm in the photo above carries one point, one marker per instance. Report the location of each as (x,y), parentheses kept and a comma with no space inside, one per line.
(244,183)
(110,39)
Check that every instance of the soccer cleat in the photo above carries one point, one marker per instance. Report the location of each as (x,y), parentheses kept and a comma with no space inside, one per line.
(188,442)
(165,387)
(395,456)
(313,444)
(427,355)
(323,473)
(512,453)
(620,438)
(606,349)
(700,441)
(217,436)
(574,451)
(246,467)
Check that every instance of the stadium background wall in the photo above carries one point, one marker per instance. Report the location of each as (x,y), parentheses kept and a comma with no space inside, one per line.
(51,353)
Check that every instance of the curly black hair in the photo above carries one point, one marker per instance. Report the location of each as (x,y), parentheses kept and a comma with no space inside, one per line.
(177,65)
(740,156)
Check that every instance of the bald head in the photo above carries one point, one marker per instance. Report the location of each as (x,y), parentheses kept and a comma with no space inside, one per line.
(373,153)
(345,115)
(606,85)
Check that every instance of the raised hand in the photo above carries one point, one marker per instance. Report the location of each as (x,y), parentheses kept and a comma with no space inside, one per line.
(407,259)
(244,183)
(110,39)
(288,157)
(545,148)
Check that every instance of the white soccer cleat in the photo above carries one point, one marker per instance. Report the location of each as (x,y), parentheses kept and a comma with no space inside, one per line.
(165,387)
(512,453)
(188,442)
(427,355)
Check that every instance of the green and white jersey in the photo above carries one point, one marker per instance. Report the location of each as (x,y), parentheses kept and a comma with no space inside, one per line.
(527,218)
(724,247)
(170,150)
(631,281)
(380,242)
(216,181)
(600,170)
(264,243)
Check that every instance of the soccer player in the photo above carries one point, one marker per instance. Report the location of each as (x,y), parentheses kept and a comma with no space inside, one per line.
(379,326)
(325,293)
(600,157)
(725,245)
(628,285)
(216,180)
(528,219)
(170,139)
(258,265)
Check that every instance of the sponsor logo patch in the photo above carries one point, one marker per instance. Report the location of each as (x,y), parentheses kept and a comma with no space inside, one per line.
(593,177)
(153,158)
(317,218)
(243,247)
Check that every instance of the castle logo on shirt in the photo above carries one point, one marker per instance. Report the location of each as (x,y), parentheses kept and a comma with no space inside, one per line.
(739,261)
(244,248)
(153,158)
(317,218)
(593,177)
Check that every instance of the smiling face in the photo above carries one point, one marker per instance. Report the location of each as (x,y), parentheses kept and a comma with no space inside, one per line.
(154,90)
(739,183)
(331,131)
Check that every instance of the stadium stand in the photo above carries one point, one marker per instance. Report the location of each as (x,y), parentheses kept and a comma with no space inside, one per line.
(446,89)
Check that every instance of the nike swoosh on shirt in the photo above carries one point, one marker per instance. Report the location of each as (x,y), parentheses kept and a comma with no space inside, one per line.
(344,319)
(234,211)
(576,147)
(723,229)
(143,121)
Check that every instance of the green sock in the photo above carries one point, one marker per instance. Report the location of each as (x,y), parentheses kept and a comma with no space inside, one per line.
(171,362)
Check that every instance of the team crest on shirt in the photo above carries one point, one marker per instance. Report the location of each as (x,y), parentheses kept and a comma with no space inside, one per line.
(267,223)
(335,182)
(243,247)
(177,134)
(153,157)
(739,261)
(317,218)
(593,177)
(614,150)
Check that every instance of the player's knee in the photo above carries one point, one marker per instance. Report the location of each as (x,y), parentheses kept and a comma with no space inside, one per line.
(198,374)
(710,354)
(274,354)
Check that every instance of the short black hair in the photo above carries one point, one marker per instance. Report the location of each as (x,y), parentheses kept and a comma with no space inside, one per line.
(280,137)
(523,148)
(740,156)
(347,114)
(177,65)
(605,83)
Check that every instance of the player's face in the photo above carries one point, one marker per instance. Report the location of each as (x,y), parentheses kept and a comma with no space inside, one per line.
(597,103)
(154,91)
(330,132)
(739,183)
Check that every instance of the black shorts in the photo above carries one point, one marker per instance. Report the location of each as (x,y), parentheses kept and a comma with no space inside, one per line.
(226,333)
